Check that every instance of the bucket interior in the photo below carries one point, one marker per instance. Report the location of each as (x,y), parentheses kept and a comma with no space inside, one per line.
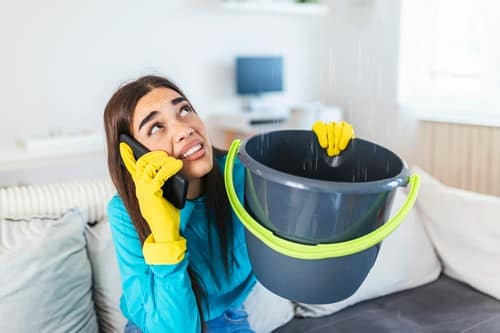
(334,210)
(298,153)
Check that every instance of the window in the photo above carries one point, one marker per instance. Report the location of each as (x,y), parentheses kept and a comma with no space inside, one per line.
(449,65)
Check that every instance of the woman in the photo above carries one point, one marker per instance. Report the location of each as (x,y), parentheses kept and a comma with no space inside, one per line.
(182,270)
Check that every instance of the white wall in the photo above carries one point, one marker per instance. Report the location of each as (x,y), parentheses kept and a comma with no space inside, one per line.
(360,60)
(62,60)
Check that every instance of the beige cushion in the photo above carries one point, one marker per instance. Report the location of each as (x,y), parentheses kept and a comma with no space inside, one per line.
(465,229)
(46,279)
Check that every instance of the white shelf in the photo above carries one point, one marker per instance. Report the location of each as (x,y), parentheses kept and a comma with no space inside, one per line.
(21,158)
(276,7)
(42,151)
(241,122)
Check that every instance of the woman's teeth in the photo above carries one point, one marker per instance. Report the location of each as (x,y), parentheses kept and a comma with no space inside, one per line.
(191,151)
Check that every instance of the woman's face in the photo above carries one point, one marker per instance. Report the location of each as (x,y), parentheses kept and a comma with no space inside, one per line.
(164,120)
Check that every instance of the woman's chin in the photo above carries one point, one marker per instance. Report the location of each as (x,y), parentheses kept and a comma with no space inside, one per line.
(197,170)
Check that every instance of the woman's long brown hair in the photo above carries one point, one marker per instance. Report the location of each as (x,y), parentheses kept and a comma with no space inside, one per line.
(117,119)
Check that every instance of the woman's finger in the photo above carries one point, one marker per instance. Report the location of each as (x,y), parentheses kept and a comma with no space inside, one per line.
(169,167)
(346,136)
(127,156)
(319,128)
(331,139)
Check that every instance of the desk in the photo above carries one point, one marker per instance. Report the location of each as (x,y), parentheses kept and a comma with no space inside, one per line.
(226,127)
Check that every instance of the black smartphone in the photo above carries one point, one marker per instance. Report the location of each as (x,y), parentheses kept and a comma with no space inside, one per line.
(175,188)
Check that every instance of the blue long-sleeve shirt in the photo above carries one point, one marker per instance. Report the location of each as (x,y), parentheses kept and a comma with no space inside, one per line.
(159,298)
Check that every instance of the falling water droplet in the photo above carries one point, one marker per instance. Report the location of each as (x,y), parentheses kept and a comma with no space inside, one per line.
(358,169)
(262,144)
(359,61)
(316,162)
(332,69)
(380,81)
(349,110)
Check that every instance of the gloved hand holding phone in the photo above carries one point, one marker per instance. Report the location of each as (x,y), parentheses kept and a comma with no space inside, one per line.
(165,245)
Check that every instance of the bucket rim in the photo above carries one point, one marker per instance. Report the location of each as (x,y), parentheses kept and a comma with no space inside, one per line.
(318,185)
(319,251)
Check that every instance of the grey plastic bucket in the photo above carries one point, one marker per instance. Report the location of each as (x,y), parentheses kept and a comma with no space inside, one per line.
(309,281)
(308,201)
(293,189)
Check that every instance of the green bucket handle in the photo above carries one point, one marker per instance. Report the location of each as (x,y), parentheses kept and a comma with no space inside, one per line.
(319,251)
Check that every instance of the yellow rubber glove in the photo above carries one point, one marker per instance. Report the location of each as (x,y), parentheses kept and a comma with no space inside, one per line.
(149,173)
(334,136)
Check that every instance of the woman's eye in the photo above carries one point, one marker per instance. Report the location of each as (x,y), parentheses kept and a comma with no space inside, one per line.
(185,110)
(155,128)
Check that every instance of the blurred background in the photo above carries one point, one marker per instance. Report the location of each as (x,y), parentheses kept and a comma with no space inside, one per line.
(421,78)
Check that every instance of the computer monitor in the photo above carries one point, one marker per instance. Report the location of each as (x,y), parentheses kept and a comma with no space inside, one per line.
(257,75)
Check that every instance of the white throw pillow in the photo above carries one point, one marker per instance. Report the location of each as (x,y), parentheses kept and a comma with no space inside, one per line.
(267,311)
(106,277)
(45,275)
(465,229)
(406,260)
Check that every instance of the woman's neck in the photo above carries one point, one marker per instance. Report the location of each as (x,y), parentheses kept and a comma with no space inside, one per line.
(194,189)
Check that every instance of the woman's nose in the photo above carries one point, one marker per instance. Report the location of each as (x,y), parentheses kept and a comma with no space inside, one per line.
(183,133)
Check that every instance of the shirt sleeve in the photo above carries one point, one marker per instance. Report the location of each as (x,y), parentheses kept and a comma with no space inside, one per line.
(157,298)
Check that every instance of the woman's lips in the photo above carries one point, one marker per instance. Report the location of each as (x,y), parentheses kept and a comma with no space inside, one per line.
(197,155)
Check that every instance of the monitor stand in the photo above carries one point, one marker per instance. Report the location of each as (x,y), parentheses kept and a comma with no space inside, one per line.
(251,103)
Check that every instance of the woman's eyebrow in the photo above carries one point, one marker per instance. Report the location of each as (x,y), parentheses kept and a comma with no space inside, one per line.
(148,118)
(178,100)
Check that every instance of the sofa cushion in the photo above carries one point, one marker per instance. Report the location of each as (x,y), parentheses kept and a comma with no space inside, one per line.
(266,310)
(105,276)
(465,230)
(443,306)
(406,260)
(46,280)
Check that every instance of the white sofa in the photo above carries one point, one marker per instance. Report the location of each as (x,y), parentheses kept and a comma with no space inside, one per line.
(58,268)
